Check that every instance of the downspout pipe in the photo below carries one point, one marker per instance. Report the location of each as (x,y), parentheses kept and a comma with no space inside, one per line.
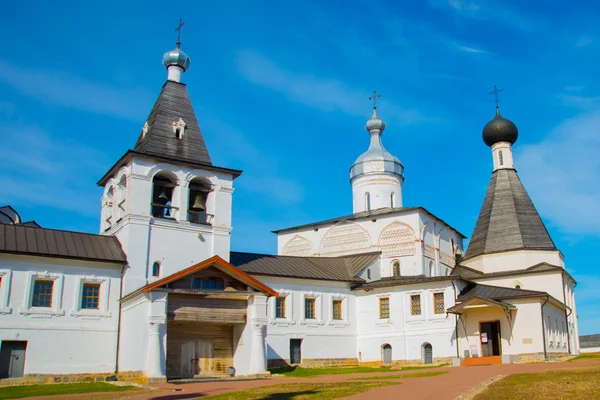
(119,322)
(543,330)
(566,314)
(456,322)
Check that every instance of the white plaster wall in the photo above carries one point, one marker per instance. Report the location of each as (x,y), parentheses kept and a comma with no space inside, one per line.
(513,260)
(590,350)
(380,189)
(63,339)
(526,328)
(556,336)
(322,337)
(550,282)
(177,243)
(404,332)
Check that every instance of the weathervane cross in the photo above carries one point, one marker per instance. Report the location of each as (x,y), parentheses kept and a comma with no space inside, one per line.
(495,93)
(178,30)
(374,98)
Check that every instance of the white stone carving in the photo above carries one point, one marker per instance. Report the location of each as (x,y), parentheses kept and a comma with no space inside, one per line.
(397,239)
(345,237)
(298,246)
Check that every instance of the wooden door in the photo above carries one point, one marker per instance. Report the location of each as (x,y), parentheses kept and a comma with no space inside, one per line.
(490,338)
(188,359)
(204,357)
(295,351)
(387,354)
(12,359)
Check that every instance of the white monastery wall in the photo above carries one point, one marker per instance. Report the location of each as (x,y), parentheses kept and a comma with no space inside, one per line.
(63,337)
(514,260)
(383,191)
(550,282)
(322,337)
(406,333)
(555,329)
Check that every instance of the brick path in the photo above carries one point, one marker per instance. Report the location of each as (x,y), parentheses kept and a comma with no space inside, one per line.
(457,381)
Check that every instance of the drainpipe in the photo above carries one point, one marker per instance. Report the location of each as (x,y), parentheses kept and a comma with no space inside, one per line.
(119,321)
(456,322)
(566,315)
(543,330)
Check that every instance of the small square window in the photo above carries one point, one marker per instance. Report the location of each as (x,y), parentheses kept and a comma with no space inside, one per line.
(438,303)
(415,304)
(384,308)
(42,294)
(309,309)
(280,307)
(90,296)
(337,309)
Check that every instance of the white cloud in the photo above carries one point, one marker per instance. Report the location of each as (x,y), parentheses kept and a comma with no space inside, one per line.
(324,94)
(70,91)
(584,102)
(562,175)
(583,41)
(472,49)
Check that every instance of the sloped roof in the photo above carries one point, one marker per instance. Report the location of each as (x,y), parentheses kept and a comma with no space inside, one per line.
(586,341)
(173,103)
(497,293)
(344,268)
(214,261)
(35,241)
(403,280)
(469,273)
(508,219)
(363,214)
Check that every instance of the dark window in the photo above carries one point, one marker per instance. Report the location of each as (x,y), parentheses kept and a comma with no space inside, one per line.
(156,269)
(208,283)
(368,201)
(500,157)
(280,307)
(368,274)
(90,297)
(337,309)
(197,202)
(396,269)
(162,196)
(42,294)
(309,309)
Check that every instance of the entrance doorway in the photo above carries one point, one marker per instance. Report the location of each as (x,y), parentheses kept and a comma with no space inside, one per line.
(387,354)
(295,351)
(196,358)
(490,338)
(427,353)
(12,359)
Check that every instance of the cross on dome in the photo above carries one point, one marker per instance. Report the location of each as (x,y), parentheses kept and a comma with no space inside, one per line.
(495,93)
(178,30)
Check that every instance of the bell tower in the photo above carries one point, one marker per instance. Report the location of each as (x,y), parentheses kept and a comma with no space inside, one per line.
(167,203)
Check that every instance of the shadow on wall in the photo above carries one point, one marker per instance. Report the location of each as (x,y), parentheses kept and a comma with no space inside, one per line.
(275,360)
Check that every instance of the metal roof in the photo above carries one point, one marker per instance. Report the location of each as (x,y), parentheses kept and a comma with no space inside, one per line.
(173,103)
(508,219)
(30,240)
(473,290)
(403,280)
(469,273)
(344,268)
(363,214)
(586,341)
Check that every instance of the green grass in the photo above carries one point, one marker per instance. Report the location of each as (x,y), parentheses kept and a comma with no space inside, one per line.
(18,392)
(303,391)
(586,357)
(577,383)
(401,376)
(423,367)
(299,372)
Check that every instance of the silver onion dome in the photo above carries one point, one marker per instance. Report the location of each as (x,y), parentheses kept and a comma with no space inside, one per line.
(376,160)
(176,57)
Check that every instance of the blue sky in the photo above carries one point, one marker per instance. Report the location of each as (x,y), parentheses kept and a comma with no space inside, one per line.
(280,90)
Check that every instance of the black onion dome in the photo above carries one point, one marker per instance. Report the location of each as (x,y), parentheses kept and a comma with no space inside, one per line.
(500,129)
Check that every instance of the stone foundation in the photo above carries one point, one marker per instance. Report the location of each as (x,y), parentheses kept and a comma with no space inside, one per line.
(39,379)
(314,362)
(397,364)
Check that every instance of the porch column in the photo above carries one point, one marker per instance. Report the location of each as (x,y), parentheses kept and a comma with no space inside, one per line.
(154,369)
(258,360)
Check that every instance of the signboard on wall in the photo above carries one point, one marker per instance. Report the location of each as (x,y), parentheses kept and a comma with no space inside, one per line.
(484,338)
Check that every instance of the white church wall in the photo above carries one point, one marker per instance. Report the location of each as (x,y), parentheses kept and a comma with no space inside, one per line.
(373,192)
(514,260)
(174,243)
(550,282)
(555,328)
(322,337)
(406,333)
(63,338)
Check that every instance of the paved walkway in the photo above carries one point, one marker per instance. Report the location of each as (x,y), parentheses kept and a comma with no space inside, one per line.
(457,381)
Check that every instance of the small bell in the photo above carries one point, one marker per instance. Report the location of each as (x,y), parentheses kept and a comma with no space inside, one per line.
(198,203)
(163,197)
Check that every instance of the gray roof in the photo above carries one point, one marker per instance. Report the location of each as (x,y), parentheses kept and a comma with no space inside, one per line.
(469,273)
(586,341)
(508,219)
(363,214)
(29,240)
(473,290)
(173,103)
(401,281)
(344,268)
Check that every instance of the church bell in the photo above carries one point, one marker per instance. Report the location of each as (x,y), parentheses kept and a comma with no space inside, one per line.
(198,203)
(163,197)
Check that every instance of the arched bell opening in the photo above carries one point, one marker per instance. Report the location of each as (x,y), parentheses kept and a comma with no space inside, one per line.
(162,196)
(200,189)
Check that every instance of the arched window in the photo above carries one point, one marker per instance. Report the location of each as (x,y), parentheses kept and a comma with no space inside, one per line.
(108,207)
(430,268)
(369,273)
(392,200)
(197,201)
(501,159)
(518,287)
(156,269)
(368,201)
(396,269)
(162,196)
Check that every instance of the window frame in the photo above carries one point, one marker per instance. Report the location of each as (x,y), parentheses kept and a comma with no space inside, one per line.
(94,299)
(33,297)
(5,283)
(312,300)
(202,280)
(57,294)
(279,308)
(103,301)
(396,263)
(287,321)
(419,296)
(340,314)
(381,309)
(435,304)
